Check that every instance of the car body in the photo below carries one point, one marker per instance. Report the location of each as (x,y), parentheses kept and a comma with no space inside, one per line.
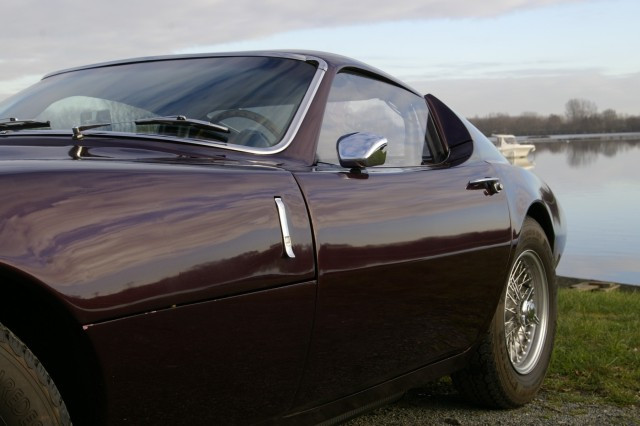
(223,262)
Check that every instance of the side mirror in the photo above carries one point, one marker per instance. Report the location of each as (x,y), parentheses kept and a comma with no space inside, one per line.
(357,150)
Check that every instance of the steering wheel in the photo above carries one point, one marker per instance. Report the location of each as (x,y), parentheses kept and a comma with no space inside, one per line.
(251,115)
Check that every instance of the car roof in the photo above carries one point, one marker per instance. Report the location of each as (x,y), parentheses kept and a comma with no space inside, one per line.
(324,60)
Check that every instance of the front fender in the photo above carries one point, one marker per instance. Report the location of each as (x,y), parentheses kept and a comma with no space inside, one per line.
(528,195)
(115,238)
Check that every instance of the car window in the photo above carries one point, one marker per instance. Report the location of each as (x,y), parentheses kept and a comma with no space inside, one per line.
(256,97)
(359,103)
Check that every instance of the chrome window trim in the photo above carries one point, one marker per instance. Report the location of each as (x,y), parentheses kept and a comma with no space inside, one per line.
(286,140)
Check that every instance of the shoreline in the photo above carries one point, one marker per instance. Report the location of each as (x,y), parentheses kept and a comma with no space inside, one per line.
(580,137)
(567,282)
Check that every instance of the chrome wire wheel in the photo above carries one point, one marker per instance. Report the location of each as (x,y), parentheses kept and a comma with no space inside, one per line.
(526,312)
(508,366)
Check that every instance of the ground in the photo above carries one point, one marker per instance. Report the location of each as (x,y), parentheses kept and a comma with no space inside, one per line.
(439,404)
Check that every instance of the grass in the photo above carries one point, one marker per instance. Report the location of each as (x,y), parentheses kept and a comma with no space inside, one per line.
(597,350)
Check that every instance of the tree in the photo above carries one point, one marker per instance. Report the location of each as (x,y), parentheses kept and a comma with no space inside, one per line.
(554,124)
(610,121)
(578,110)
(581,117)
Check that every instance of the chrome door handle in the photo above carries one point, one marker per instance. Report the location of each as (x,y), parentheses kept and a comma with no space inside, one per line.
(284,227)
(491,185)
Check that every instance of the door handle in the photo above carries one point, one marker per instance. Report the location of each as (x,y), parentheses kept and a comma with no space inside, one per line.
(491,185)
(284,228)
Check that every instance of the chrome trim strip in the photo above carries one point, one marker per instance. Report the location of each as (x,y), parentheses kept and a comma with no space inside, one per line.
(284,227)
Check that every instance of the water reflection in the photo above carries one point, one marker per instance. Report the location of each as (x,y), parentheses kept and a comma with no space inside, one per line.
(523,162)
(598,185)
(580,153)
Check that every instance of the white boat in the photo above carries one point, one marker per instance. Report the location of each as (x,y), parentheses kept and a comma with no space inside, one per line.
(509,146)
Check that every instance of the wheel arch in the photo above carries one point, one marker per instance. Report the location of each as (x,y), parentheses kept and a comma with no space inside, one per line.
(45,324)
(539,213)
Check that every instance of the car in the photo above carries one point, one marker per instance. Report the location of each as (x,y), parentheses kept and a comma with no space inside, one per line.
(286,237)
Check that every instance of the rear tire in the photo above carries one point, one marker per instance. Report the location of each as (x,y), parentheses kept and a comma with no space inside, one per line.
(507,369)
(28,396)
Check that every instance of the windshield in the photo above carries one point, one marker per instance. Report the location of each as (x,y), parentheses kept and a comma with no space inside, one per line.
(255,98)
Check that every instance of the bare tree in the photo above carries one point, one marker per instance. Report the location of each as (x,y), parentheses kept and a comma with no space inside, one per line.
(581,117)
(610,121)
(555,124)
(580,109)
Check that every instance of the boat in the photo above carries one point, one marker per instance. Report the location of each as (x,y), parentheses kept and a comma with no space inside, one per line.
(509,146)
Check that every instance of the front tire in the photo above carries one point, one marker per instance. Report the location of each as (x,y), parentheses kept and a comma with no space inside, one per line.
(507,369)
(28,396)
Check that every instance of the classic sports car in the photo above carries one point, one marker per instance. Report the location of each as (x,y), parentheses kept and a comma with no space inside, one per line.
(279,237)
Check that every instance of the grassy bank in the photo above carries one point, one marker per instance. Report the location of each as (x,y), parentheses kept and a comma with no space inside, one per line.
(597,352)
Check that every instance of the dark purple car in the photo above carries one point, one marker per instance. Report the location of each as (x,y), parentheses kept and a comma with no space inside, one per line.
(279,237)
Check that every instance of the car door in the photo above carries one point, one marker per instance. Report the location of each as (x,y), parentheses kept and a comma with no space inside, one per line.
(410,256)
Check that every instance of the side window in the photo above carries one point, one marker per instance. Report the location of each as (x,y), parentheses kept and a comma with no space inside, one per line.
(362,104)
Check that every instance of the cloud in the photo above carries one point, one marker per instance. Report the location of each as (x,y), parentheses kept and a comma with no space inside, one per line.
(50,35)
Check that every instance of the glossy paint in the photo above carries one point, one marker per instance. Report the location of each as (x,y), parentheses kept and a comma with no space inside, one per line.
(233,360)
(115,238)
(528,195)
(168,260)
(403,273)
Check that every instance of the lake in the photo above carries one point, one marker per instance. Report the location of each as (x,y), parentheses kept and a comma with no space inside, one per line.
(598,185)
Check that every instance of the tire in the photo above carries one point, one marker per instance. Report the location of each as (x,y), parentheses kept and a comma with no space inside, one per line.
(28,396)
(506,370)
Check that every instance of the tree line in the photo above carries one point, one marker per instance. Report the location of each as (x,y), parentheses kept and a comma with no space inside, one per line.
(581,116)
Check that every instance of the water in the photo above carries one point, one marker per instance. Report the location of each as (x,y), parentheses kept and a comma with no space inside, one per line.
(598,185)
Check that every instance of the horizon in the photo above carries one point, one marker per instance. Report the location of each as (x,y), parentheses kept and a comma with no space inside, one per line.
(500,57)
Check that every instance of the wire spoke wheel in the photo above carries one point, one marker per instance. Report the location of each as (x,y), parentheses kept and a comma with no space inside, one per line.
(526,312)
(507,367)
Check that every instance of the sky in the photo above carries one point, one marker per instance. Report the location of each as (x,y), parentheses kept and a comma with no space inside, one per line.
(480,57)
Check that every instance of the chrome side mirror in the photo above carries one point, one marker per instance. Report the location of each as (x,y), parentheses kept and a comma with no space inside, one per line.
(357,150)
